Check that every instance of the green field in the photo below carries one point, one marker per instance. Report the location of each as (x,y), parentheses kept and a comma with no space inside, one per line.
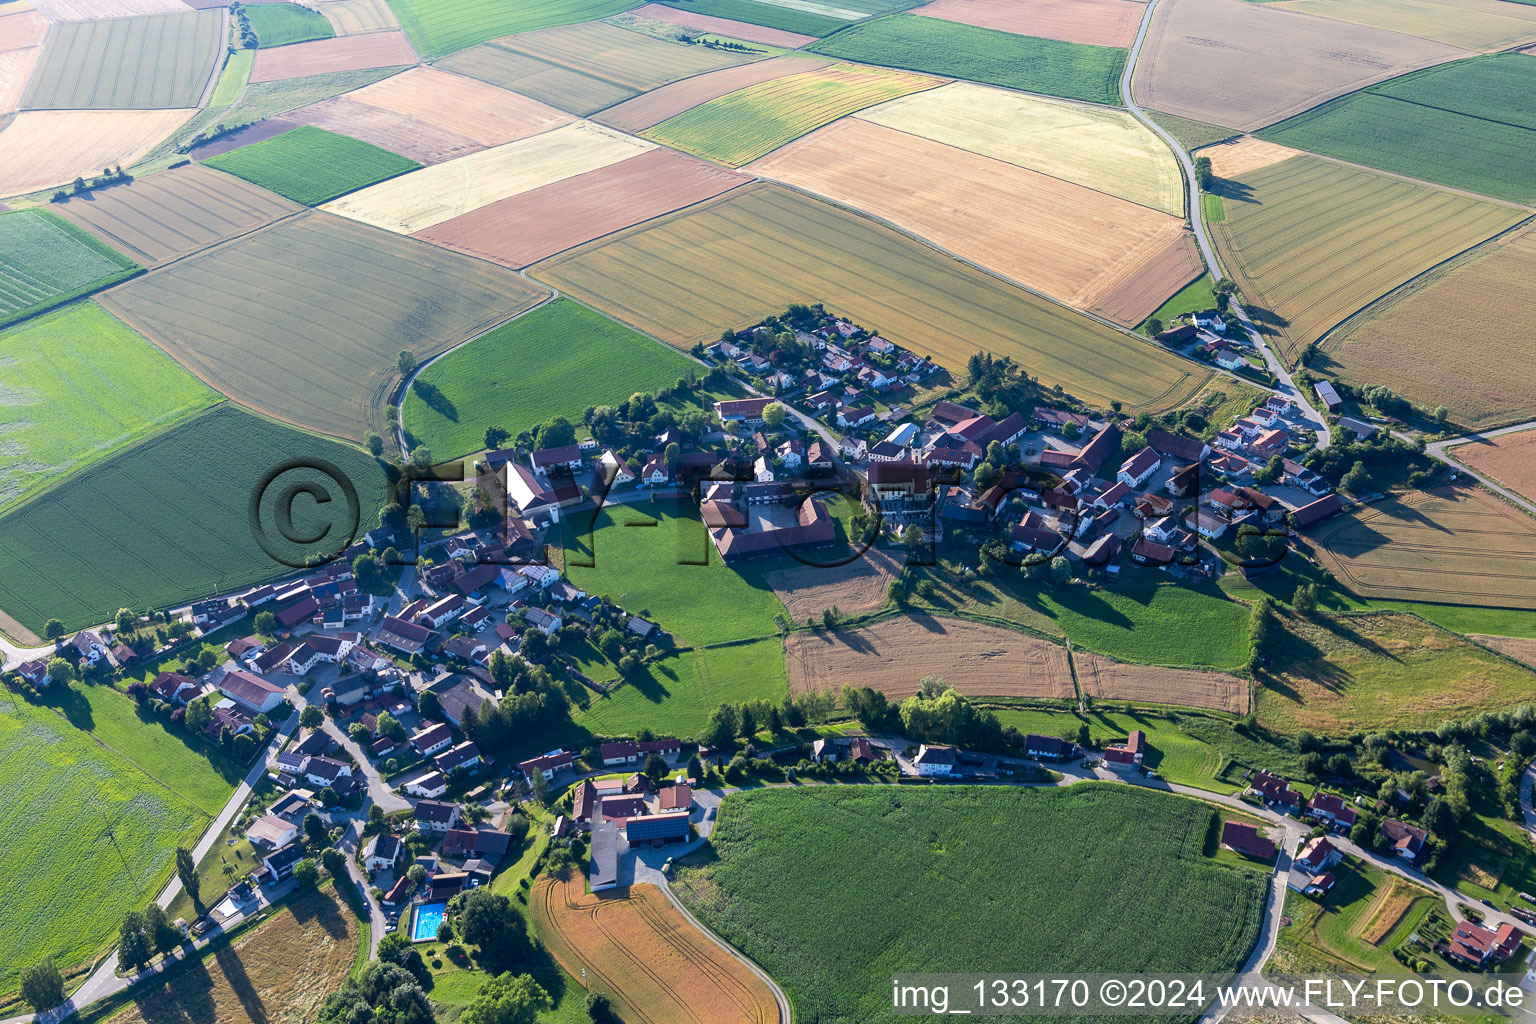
(440,27)
(1468,124)
(940,47)
(833,890)
(1192,298)
(69,882)
(78,384)
(1332,933)
(233,79)
(768,15)
(1191,134)
(311,165)
(552,361)
(281,24)
(674,696)
(46,261)
(168,520)
(638,567)
(142,63)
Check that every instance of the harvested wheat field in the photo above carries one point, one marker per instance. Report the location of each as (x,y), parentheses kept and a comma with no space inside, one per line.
(670,100)
(857,588)
(1106,679)
(424,143)
(633,946)
(1310,242)
(1445,340)
(558,86)
(18,31)
(628,59)
(1243,65)
(91,10)
(463,106)
(540,222)
(894,655)
(354,17)
(1475,24)
(1391,902)
(43,148)
(1241,156)
(1510,459)
(1098,147)
(161,60)
(175,213)
(1521,648)
(1063,240)
(281,971)
(417,201)
(686,277)
(1095,22)
(1141,287)
(325,56)
(1450,545)
(723,26)
(15,68)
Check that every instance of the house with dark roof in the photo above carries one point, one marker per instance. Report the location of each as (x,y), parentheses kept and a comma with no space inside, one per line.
(252,692)
(404,637)
(936,759)
(1333,809)
(1273,790)
(1241,837)
(656,829)
(1407,840)
(435,816)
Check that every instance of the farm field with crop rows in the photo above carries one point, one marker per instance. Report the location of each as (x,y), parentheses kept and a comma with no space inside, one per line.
(280,24)
(628,59)
(161,60)
(756,249)
(498,64)
(938,47)
(1510,459)
(552,361)
(328,56)
(745,31)
(670,100)
(45,148)
(1474,24)
(1105,679)
(804,19)
(79,384)
(45,261)
(1310,241)
(311,165)
(1093,22)
(353,297)
(171,518)
(440,27)
(1109,864)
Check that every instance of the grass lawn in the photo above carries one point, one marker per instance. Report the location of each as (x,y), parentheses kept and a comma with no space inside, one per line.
(46,261)
(311,165)
(674,696)
(77,385)
(1490,844)
(1049,66)
(212,880)
(942,877)
(62,792)
(440,27)
(281,24)
(1355,927)
(634,557)
(232,80)
(1215,212)
(554,360)
(1192,298)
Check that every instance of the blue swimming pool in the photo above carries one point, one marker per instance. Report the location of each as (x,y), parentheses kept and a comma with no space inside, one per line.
(424,924)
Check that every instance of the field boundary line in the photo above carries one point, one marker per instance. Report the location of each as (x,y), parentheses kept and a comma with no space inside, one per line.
(786,1011)
(218,65)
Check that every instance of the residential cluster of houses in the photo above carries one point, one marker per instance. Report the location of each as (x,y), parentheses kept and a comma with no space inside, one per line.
(1407,841)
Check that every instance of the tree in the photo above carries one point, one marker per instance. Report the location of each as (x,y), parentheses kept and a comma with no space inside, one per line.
(165,935)
(374,442)
(1272,471)
(1305,601)
(673,454)
(199,715)
(1154,328)
(60,671)
(125,620)
(306,875)
(655,768)
(912,537)
(186,870)
(721,727)
(396,949)
(1340,766)
(1357,480)
(133,946)
(1440,817)
(311,717)
(421,458)
(1203,174)
(748,726)
(1061,570)
(265,623)
(487,919)
(42,986)
(496,437)
(600,1009)
(1071,430)
(695,767)
(429,705)
(382,993)
(773,414)
(1313,765)
(415,518)
(405,362)
(334,862)
(507,999)
(314,829)
(372,575)
(1223,291)
(53,629)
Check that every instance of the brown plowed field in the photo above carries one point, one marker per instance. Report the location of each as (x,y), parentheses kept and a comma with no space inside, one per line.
(526,228)
(894,655)
(1509,459)
(634,947)
(1144,286)
(22,30)
(670,100)
(323,56)
(1243,65)
(1234,159)
(1450,545)
(723,26)
(463,106)
(1095,22)
(43,148)
(1107,679)
(1521,648)
(15,68)
(424,143)
(175,213)
(1069,242)
(857,588)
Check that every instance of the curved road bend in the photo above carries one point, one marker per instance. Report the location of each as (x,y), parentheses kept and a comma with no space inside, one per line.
(1440,450)
(1192,201)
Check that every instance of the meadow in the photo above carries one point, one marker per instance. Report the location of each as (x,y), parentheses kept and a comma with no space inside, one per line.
(280,24)
(169,520)
(786,19)
(440,27)
(353,297)
(1356,673)
(311,165)
(158,60)
(46,261)
(64,794)
(932,878)
(937,47)
(1190,134)
(1489,377)
(552,361)
(652,560)
(686,277)
(742,126)
(1467,125)
(78,386)
(1298,282)
(655,19)
(1192,298)
(232,79)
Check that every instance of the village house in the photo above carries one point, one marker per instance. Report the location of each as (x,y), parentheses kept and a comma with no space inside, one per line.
(546,765)
(746,411)
(1241,837)
(251,692)
(1272,789)
(1477,945)
(383,853)
(270,832)
(457,759)
(1309,871)
(1137,469)
(1407,840)
(435,816)
(545,622)
(431,739)
(430,786)
(1332,809)
(547,460)
(657,829)
(936,760)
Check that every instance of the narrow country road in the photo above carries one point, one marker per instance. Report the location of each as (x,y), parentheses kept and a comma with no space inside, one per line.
(1441,450)
(1196,209)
